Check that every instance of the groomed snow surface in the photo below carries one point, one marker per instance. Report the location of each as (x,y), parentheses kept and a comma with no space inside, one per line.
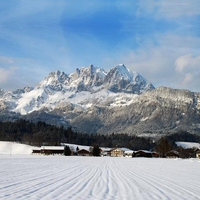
(98,178)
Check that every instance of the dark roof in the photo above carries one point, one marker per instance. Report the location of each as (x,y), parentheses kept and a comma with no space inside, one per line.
(172,152)
(83,151)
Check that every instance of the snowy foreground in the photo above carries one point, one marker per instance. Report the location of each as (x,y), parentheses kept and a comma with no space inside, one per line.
(92,178)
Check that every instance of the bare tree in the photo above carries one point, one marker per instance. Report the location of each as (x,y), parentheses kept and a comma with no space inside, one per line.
(163,147)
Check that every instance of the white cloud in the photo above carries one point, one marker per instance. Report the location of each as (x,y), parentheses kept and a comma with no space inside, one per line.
(169,9)
(174,63)
(182,62)
(187,63)
(6,60)
(154,63)
(7,68)
(6,74)
(187,79)
(188,69)
(16,73)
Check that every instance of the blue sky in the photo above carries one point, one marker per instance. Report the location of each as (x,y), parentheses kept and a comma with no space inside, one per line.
(160,39)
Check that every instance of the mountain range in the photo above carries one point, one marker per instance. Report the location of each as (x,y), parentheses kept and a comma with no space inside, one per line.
(92,100)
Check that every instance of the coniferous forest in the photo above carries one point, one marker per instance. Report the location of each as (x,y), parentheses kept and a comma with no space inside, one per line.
(40,133)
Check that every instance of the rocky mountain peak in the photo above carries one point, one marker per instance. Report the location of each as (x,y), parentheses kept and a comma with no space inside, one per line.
(121,79)
(85,78)
(55,81)
(120,72)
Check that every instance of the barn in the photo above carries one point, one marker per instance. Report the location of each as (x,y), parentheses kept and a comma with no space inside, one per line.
(52,150)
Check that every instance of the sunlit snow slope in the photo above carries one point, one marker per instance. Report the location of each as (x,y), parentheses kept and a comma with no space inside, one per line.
(14,148)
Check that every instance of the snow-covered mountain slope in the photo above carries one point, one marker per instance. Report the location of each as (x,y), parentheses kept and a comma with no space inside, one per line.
(159,111)
(8,99)
(84,88)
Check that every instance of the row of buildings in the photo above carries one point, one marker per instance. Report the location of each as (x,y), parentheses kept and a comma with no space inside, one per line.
(83,151)
(112,152)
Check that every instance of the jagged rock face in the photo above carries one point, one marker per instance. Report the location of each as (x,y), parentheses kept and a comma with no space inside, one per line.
(118,79)
(54,82)
(86,78)
(85,87)
(81,80)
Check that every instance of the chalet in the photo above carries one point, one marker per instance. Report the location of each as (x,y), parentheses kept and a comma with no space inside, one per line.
(172,154)
(197,153)
(142,153)
(116,152)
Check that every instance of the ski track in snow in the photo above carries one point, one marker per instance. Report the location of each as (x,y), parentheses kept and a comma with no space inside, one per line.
(103,178)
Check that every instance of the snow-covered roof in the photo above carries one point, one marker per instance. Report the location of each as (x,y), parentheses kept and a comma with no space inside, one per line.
(53,147)
(105,148)
(126,150)
(36,148)
(188,145)
(145,151)
(74,146)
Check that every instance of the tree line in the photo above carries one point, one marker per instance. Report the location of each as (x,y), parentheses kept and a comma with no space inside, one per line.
(41,133)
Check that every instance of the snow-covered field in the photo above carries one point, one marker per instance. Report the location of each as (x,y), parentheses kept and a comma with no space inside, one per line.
(98,178)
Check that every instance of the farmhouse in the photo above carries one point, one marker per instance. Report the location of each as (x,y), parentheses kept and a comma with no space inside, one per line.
(119,152)
(116,152)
